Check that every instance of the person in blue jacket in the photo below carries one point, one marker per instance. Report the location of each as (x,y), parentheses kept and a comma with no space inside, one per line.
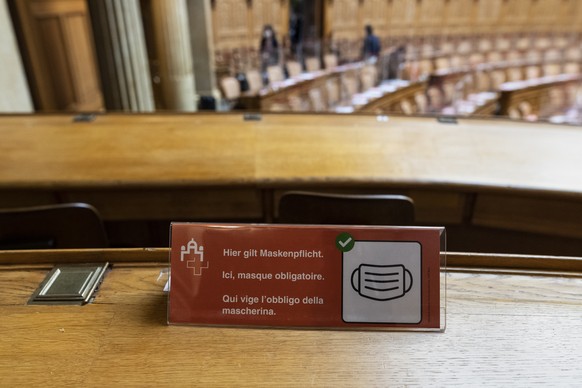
(371,44)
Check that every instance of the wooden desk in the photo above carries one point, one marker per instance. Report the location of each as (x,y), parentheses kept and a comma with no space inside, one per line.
(392,102)
(444,80)
(509,176)
(536,94)
(505,326)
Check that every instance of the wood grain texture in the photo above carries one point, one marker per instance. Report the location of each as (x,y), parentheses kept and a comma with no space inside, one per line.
(59,48)
(222,167)
(205,149)
(501,330)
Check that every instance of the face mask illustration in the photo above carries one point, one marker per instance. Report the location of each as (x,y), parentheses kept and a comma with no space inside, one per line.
(381,282)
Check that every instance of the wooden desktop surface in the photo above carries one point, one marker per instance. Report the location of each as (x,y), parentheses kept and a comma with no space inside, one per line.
(52,151)
(512,176)
(505,327)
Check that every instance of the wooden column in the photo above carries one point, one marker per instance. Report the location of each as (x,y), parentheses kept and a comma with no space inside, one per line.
(202,43)
(122,54)
(172,36)
(15,96)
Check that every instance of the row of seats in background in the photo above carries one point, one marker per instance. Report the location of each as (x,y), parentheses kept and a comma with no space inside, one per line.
(301,87)
(458,80)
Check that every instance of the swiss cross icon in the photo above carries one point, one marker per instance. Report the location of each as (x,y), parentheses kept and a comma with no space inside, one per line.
(194,256)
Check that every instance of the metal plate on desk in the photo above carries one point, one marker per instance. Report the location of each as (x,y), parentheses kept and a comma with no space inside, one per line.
(69,284)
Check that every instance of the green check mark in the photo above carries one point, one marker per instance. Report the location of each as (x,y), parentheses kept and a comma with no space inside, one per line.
(344,242)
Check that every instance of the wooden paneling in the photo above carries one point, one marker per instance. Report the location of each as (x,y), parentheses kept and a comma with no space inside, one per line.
(488,13)
(172,204)
(344,24)
(230,22)
(530,214)
(268,12)
(238,24)
(409,18)
(403,14)
(60,51)
(430,17)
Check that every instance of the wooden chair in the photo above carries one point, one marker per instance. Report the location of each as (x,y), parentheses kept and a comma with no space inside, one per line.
(255,81)
(457,61)
(572,68)
(502,44)
(465,47)
(73,225)
(532,72)
(442,63)
(485,45)
(447,48)
(534,55)
(523,43)
(551,69)
(494,56)
(230,88)
(498,77)
(573,54)
(482,81)
(293,68)
(330,61)
(425,67)
(514,74)
(300,207)
(275,74)
(312,64)
(476,59)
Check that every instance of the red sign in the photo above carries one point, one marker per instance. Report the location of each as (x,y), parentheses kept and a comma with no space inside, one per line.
(305,276)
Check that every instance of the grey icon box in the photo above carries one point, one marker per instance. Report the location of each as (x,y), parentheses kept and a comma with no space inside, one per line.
(382,282)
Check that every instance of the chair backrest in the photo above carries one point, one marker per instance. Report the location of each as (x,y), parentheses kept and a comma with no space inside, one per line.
(330,61)
(572,68)
(425,67)
(299,207)
(552,69)
(514,74)
(312,64)
(255,81)
(532,72)
(494,56)
(497,78)
(476,58)
(442,63)
(275,73)
(230,88)
(73,225)
(293,68)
